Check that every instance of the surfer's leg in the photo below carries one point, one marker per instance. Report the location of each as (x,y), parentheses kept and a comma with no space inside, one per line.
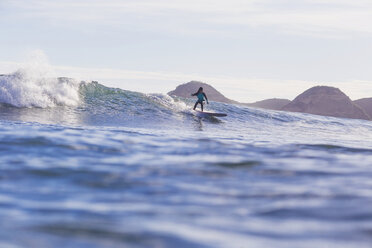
(201,104)
(196,104)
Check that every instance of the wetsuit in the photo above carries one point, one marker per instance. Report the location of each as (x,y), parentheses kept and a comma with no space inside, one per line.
(201,96)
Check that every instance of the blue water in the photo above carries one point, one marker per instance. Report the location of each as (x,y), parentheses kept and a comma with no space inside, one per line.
(84,165)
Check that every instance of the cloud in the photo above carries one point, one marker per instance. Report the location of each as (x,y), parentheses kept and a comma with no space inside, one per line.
(301,17)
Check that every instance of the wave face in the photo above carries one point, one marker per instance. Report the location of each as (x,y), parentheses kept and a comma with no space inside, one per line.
(116,107)
(85,165)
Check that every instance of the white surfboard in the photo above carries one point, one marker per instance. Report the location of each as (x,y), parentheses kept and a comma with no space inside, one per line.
(207,114)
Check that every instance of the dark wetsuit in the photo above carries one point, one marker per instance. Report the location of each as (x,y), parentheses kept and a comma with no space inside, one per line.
(201,98)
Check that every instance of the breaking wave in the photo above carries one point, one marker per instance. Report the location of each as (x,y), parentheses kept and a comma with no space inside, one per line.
(33,97)
(20,89)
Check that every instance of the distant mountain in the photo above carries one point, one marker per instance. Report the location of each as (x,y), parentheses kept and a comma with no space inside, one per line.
(273,103)
(326,101)
(185,90)
(365,104)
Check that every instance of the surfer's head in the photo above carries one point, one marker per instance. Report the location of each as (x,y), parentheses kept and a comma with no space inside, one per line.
(200,89)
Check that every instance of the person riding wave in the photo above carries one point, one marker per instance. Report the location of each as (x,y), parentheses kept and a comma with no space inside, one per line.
(201,95)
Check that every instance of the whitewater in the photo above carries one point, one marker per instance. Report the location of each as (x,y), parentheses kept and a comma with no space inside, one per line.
(85,165)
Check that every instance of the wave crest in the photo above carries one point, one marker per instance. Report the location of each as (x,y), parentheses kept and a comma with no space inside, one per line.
(20,89)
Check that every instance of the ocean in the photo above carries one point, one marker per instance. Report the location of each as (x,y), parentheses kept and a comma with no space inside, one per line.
(85,165)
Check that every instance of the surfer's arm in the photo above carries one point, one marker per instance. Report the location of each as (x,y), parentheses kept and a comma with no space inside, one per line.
(206,98)
(194,94)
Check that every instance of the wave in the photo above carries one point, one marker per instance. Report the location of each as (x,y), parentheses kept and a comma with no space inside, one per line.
(122,105)
(22,89)
(28,98)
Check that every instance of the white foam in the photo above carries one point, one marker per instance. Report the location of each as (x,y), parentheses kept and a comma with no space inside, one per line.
(168,101)
(35,85)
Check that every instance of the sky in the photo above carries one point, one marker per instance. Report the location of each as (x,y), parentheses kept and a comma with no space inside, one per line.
(248,49)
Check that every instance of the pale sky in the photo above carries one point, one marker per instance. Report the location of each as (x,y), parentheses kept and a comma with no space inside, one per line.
(249,50)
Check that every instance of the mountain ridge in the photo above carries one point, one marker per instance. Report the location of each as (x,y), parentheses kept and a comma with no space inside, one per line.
(318,100)
(326,101)
(272,103)
(185,90)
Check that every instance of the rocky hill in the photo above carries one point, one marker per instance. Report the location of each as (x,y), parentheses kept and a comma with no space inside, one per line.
(365,104)
(326,101)
(274,104)
(185,90)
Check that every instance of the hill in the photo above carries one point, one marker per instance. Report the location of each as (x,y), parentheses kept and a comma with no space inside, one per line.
(185,90)
(274,104)
(365,104)
(326,101)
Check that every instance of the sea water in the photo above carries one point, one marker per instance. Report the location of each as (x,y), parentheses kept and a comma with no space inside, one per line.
(84,165)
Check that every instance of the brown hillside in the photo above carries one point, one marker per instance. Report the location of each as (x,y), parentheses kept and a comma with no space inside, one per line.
(365,104)
(274,104)
(327,101)
(185,90)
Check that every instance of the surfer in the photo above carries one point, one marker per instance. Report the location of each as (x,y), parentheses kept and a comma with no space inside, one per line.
(201,95)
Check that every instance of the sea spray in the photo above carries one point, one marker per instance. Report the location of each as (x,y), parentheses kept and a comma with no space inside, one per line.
(35,85)
(168,102)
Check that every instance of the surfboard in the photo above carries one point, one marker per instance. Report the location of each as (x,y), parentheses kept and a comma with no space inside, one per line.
(207,114)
